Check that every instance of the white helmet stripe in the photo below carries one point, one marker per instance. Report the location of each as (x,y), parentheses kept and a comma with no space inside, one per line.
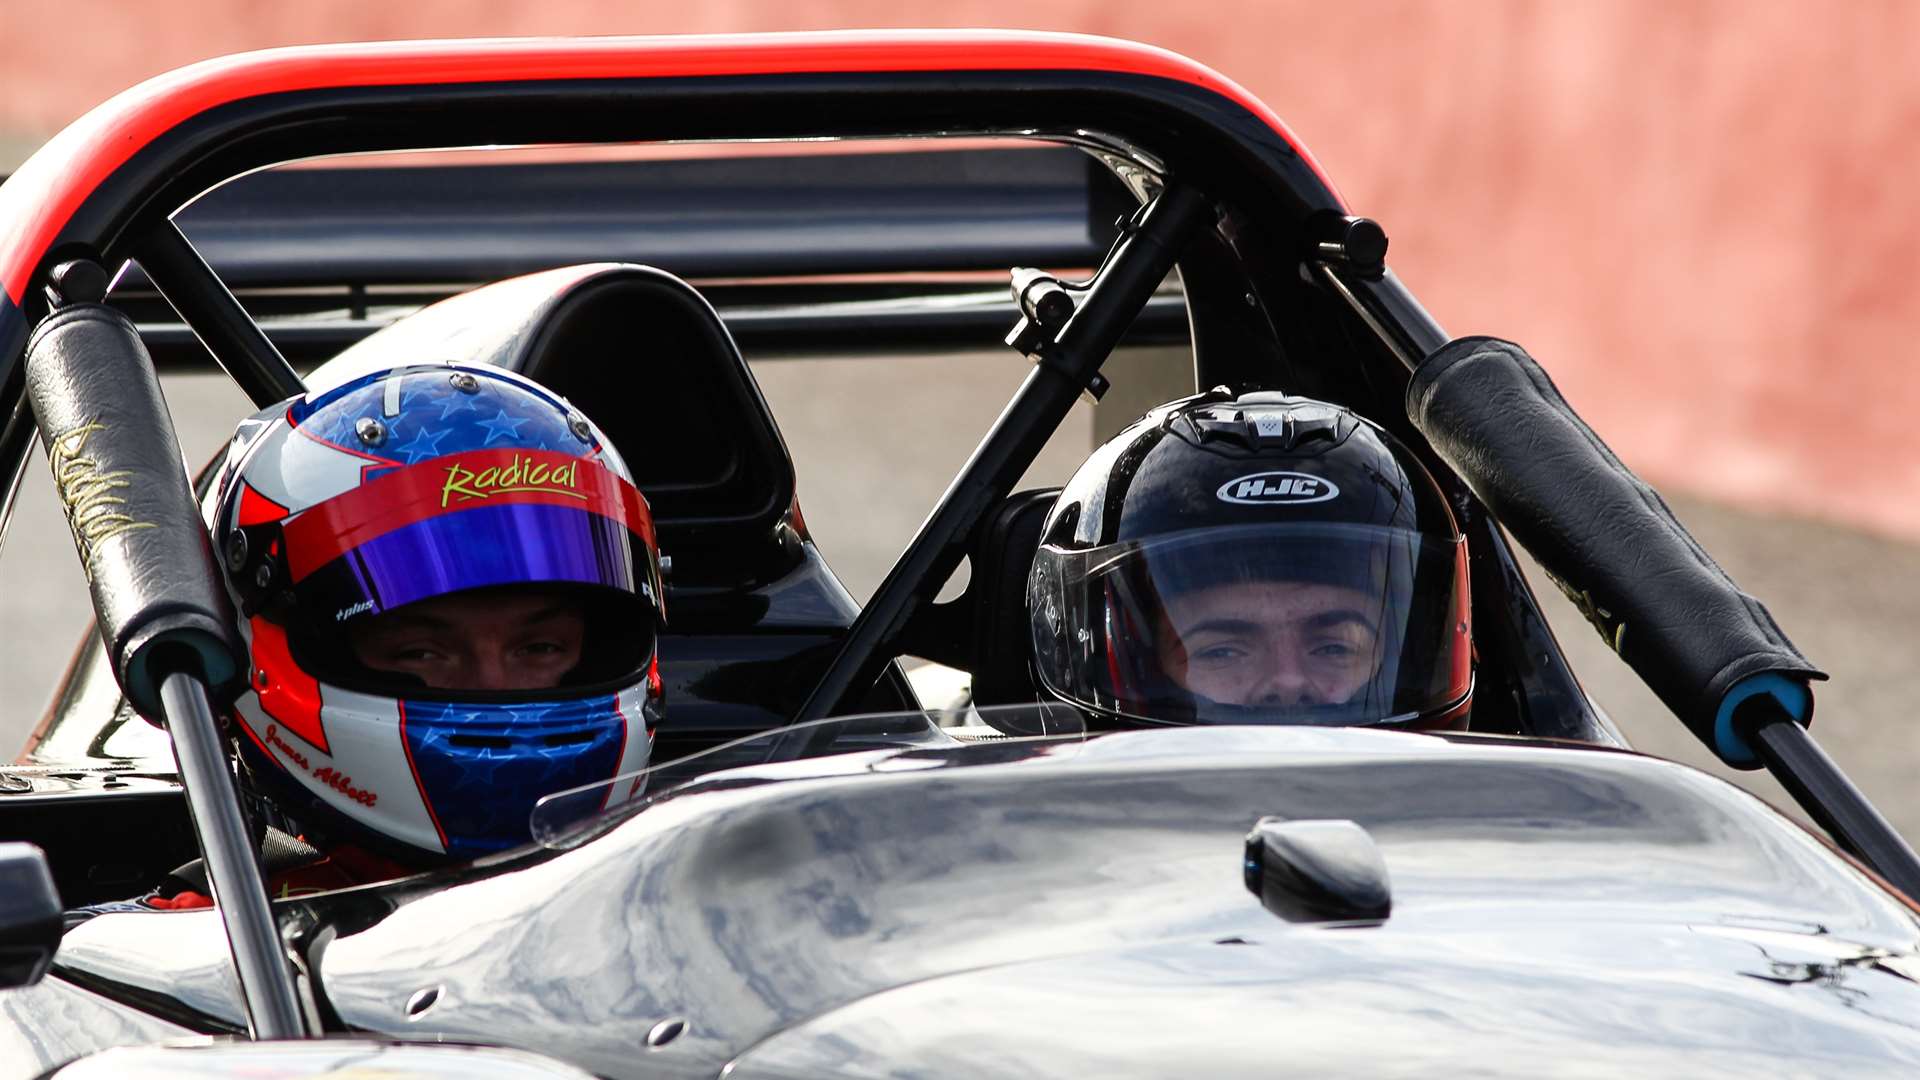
(368,777)
(638,751)
(307,470)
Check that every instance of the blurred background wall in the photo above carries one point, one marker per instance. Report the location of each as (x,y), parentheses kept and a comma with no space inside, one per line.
(1697,214)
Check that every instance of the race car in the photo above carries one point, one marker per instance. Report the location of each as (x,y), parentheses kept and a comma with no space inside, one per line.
(817,874)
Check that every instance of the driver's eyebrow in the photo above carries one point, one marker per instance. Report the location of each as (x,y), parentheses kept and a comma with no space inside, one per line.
(403,621)
(1327,620)
(557,611)
(1221,626)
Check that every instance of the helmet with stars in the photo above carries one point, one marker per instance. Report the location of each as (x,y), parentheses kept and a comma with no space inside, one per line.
(455,503)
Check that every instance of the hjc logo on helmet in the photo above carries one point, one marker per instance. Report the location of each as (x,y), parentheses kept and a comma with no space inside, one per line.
(1286,488)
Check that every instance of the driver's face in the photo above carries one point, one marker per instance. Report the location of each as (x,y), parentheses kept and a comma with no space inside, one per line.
(484,640)
(1273,643)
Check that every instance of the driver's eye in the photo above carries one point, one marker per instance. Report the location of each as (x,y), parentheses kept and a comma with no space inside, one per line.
(1219,654)
(418,654)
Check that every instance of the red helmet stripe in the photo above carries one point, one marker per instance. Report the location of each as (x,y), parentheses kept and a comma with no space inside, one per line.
(458,482)
(257,509)
(426,800)
(287,693)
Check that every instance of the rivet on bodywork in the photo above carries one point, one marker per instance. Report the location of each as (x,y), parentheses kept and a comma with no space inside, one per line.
(464,382)
(371,431)
(421,1001)
(665,1032)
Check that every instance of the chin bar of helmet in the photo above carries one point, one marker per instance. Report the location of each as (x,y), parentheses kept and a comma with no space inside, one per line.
(169,629)
(1711,653)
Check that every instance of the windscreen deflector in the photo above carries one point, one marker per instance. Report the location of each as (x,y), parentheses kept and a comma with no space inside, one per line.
(871,743)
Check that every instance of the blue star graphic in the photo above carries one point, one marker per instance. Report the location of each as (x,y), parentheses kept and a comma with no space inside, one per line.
(413,390)
(425,444)
(501,427)
(457,402)
(482,767)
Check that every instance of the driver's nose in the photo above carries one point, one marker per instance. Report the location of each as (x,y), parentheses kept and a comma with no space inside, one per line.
(1284,682)
(489,670)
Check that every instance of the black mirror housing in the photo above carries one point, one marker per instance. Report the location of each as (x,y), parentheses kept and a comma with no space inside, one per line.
(30,915)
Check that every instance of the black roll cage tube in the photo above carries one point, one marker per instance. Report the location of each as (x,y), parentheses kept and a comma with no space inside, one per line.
(1066,365)
(206,305)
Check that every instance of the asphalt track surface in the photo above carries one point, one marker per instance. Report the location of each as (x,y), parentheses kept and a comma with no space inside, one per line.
(876,441)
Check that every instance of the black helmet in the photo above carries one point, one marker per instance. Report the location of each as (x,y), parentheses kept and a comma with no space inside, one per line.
(1259,559)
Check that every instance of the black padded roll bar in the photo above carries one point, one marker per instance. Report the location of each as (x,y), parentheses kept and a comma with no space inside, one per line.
(123,485)
(1711,653)
(169,628)
(1607,538)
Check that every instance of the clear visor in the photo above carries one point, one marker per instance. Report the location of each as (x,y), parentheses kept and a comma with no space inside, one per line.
(1272,623)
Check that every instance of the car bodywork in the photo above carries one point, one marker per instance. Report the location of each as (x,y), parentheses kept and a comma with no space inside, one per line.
(1019,909)
(1046,905)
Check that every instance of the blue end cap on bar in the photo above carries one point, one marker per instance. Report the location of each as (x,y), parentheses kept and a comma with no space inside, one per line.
(198,653)
(1793,696)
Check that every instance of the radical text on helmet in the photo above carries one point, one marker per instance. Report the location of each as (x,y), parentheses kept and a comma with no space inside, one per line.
(465,485)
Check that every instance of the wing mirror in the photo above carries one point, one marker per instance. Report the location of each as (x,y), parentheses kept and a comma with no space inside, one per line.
(1317,871)
(30,911)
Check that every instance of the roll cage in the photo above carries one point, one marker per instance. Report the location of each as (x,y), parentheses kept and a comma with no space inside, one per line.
(1282,288)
